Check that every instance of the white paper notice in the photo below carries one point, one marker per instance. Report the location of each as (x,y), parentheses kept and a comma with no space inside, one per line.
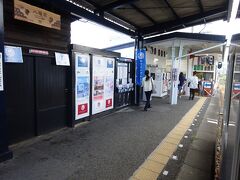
(62,59)
(1,73)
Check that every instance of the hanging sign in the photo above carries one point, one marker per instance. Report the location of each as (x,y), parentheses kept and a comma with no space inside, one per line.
(13,54)
(140,65)
(82,85)
(62,59)
(103,84)
(1,73)
(35,15)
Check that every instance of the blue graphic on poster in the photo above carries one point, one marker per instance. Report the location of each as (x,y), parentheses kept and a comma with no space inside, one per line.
(109,63)
(82,87)
(140,65)
(13,54)
(82,62)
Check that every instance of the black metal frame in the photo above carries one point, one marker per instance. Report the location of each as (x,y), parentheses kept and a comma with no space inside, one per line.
(91,51)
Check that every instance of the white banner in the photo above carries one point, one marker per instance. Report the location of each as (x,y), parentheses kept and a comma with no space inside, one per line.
(102,84)
(82,85)
(1,73)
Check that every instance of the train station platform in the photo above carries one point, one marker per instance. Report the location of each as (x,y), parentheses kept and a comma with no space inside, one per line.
(166,142)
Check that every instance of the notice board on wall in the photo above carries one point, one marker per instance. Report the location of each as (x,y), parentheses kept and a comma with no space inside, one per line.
(82,85)
(102,84)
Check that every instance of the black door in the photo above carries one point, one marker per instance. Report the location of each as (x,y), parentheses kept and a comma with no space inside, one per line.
(20,104)
(51,89)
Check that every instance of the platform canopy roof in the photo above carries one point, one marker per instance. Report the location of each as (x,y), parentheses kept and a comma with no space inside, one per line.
(147,17)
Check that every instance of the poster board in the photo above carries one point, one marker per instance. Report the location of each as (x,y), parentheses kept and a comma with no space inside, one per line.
(82,85)
(1,73)
(102,84)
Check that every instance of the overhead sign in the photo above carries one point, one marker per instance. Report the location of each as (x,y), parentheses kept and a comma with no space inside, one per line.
(13,54)
(1,73)
(62,59)
(140,65)
(35,15)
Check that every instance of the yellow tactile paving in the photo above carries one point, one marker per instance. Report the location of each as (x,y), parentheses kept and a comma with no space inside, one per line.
(144,174)
(172,140)
(153,166)
(156,161)
(175,136)
(158,158)
(166,149)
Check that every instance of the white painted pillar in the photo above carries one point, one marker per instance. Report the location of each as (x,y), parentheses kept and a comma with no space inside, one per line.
(175,72)
(174,78)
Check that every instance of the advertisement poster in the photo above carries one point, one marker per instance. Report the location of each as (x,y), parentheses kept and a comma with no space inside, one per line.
(35,15)
(140,65)
(13,54)
(82,85)
(1,73)
(62,59)
(103,84)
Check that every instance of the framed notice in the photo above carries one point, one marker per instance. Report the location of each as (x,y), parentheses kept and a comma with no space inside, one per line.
(82,85)
(102,84)
(35,15)
(1,73)
(13,54)
(62,59)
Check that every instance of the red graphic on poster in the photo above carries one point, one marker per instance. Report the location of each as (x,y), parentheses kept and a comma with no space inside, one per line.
(82,108)
(108,103)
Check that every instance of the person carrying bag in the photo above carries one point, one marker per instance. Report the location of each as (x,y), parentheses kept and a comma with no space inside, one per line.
(148,87)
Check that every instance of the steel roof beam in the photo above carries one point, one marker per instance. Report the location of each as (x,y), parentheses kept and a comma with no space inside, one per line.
(143,13)
(180,22)
(114,5)
(97,6)
(80,12)
(171,8)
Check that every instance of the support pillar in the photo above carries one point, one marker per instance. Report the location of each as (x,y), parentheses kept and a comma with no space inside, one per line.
(176,62)
(138,45)
(5,154)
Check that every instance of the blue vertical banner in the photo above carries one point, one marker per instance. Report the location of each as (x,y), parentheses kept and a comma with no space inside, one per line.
(140,65)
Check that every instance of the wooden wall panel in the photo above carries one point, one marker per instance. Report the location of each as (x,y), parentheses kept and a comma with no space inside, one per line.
(25,33)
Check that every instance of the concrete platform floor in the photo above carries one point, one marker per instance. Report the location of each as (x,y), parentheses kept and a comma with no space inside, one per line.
(111,147)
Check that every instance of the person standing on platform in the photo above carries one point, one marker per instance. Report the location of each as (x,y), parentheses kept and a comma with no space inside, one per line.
(182,79)
(147,84)
(193,85)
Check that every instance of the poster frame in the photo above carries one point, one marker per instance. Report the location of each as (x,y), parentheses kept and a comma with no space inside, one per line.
(87,115)
(112,107)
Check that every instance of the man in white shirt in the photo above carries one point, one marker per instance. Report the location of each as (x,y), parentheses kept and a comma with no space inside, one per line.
(193,85)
